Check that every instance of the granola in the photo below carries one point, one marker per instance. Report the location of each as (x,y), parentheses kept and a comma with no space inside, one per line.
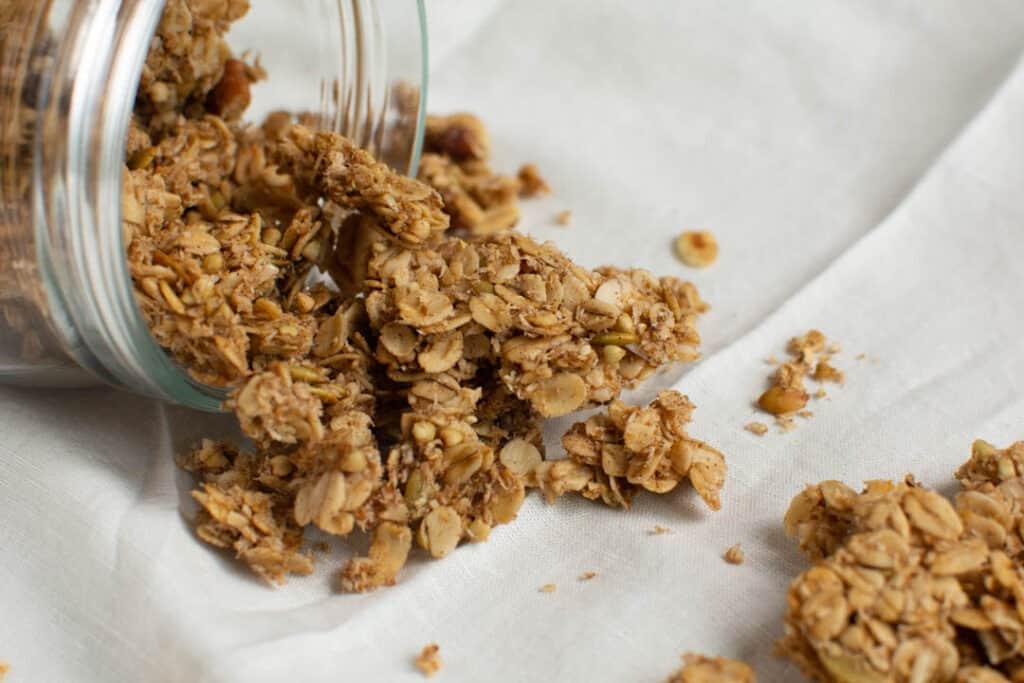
(700,669)
(390,345)
(429,660)
(616,454)
(734,554)
(697,248)
(908,585)
(810,356)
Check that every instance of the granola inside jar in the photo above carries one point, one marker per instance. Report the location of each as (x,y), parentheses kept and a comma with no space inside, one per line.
(70,77)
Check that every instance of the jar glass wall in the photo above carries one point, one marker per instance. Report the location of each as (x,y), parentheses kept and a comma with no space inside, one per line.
(68,74)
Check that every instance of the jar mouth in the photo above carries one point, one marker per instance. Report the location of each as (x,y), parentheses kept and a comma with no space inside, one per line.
(114,323)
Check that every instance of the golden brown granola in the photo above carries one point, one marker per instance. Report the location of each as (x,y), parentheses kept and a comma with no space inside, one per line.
(5,669)
(587,576)
(909,586)
(391,373)
(810,356)
(429,659)
(548,588)
(700,669)
(734,554)
(615,454)
(660,530)
(563,217)
(697,248)
(480,201)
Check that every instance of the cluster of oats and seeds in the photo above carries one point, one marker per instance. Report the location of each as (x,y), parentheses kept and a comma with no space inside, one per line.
(909,585)
(392,345)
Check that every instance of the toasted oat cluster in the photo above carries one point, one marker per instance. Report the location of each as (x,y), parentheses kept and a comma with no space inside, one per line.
(810,357)
(908,585)
(700,669)
(627,449)
(479,200)
(391,345)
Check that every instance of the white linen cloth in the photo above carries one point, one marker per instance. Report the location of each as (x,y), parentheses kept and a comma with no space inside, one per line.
(862,164)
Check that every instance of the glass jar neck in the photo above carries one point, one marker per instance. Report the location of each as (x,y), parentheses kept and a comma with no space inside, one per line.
(84,108)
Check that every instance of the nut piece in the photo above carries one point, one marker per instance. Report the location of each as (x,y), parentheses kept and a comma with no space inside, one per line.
(429,659)
(734,555)
(700,669)
(697,248)
(782,400)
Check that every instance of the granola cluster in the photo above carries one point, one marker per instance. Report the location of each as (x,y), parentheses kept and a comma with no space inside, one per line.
(627,449)
(909,585)
(479,200)
(700,669)
(810,358)
(391,345)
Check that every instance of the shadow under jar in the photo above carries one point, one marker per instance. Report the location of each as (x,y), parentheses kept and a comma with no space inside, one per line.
(69,71)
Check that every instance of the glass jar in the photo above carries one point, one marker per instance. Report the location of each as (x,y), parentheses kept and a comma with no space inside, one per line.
(69,70)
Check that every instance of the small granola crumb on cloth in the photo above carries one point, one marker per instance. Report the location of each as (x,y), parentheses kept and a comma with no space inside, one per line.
(697,248)
(659,530)
(734,555)
(810,357)
(587,576)
(429,660)
(548,588)
(563,217)
(5,668)
(759,428)
(700,669)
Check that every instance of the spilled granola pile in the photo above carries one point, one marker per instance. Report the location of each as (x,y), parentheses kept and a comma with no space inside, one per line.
(391,345)
(909,585)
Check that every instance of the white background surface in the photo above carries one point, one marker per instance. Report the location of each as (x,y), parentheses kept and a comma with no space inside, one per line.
(862,164)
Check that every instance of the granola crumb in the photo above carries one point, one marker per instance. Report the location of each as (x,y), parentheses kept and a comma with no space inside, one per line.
(785,423)
(533,183)
(700,669)
(548,588)
(861,356)
(5,668)
(759,428)
(587,576)
(429,660)
(697,248)
(734,555)
(809,358)
(659,530)
(805,414)
(820,393)
(771,360)
(563,217)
